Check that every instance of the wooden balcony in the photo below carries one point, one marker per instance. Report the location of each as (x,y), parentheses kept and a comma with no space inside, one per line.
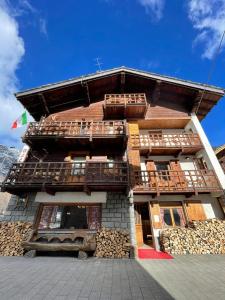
(175,182)
(125,106)
(76,132)
(162,144)
(66,176)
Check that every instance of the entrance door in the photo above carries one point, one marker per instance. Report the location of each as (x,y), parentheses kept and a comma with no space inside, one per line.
(142,223)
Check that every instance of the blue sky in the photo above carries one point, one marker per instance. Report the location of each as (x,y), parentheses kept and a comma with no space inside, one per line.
(47,41)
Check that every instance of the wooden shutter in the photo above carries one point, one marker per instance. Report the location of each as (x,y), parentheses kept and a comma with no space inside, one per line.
(150,167)
(178,178)
(195,210)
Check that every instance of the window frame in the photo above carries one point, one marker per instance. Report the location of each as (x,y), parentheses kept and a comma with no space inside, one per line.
(41,208)
(170,207)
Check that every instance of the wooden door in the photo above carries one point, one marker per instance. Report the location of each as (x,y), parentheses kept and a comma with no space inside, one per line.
(195,210)
(138,225)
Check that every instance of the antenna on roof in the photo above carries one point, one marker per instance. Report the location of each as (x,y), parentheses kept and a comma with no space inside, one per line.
(211,69)
(98,63)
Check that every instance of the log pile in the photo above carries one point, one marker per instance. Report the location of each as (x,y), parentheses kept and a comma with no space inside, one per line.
(11,236)
(201,237)
(112,243)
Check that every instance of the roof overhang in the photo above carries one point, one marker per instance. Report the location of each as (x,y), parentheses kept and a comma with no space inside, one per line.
(42,100)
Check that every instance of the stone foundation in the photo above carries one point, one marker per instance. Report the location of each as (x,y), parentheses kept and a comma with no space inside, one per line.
(18,212)
(115,212)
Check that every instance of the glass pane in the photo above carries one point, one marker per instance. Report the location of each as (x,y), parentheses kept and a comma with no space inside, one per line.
(161,166)
(176,216)
(74,217)
(167,217)
(50,217)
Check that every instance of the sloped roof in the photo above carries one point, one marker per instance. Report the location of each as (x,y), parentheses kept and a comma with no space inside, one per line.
(79,91)
(165,78)
(219,149)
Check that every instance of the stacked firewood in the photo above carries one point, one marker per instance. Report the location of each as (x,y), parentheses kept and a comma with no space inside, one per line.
(201,237)
(112,243)
(11,236)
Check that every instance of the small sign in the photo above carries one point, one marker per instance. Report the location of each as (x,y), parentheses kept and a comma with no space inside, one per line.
(156,218)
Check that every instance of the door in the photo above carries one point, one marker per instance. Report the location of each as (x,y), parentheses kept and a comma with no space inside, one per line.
(143,225)
(138,225)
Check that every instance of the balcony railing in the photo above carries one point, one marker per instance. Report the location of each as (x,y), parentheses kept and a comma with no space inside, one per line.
(153,142)
(75,129)
(168,181)
(102,175)
(125,99)
(125,105)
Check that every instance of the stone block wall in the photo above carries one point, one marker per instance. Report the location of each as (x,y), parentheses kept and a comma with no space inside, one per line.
(17,212)
(115,212)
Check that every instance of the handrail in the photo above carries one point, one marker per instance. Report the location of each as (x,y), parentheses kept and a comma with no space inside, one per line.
(165,140)
(67,173)
(76,128)
(170,180)
(125,99)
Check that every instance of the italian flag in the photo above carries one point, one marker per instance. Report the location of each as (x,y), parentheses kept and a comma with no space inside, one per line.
(22,120)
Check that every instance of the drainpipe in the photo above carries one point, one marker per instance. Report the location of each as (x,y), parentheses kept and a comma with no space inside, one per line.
(132,223)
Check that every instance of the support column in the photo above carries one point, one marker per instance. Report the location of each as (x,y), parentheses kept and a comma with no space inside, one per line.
(132,219)
(208,153)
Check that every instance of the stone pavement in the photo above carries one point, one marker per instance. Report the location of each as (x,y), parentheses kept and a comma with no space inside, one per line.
(186,277)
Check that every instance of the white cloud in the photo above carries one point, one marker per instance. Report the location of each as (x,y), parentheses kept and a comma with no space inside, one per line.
(153,8)
(11,53)
(208,18)
(43,26)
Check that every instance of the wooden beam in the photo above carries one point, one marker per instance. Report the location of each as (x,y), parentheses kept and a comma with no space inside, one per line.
(44,103)
(156,92)
(197,101)
(122,82)
(85,85)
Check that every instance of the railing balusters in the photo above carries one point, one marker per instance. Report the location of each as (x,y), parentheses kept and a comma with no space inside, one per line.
(176,181)
(75,128)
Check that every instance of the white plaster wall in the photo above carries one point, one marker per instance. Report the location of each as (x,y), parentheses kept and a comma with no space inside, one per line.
(71,197)
(208,153)
(210,206)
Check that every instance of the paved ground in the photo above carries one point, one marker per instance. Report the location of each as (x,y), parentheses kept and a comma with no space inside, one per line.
(186,277)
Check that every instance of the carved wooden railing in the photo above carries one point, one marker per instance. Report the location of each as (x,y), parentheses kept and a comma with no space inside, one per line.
(176,181)
(67,174)
(125,99)
(89,129)
(166,140)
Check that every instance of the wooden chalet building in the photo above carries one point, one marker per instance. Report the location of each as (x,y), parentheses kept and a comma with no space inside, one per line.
(220,153)
(121,148)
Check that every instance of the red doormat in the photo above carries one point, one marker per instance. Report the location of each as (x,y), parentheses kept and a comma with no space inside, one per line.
(153,254)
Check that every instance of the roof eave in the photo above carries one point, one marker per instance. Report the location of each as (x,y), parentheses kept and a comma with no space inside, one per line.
(169,80)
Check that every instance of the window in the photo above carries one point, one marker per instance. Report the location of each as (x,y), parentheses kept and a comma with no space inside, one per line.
(172,216)
(162,168)
(70,217)
(79,164)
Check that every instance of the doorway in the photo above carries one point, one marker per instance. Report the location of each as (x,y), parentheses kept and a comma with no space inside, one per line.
(143,225)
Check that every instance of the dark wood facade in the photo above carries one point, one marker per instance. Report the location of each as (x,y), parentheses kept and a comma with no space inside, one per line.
(109,132)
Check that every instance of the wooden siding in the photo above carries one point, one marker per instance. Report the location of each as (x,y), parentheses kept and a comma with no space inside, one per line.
(92,112)
(95,112)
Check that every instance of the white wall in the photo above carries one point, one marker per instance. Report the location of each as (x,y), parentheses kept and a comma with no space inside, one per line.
(208,153)
(210,205)
(71,197)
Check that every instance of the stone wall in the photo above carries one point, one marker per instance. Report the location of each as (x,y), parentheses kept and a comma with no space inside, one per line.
(115,212)
(18,212)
